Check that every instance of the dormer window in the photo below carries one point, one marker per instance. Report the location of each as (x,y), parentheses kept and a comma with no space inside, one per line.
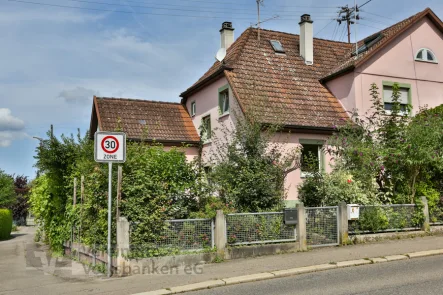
(427,55)
(368,43)
(278,48)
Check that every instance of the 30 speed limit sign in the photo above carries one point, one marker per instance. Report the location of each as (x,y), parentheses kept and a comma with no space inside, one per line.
(110,147)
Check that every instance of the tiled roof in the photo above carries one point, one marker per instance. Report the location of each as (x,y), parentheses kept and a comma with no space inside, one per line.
(154,120)
(388,35)
(281,88)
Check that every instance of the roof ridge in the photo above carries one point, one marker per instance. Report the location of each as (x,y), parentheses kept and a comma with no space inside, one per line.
(292,34)
(139,100)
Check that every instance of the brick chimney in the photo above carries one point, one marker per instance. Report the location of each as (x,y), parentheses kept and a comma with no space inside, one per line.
(307,39)
(226,35)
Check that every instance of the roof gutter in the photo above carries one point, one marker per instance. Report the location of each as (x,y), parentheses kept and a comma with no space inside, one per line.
(193,89)
(337,74)
(165,141)
(314,129)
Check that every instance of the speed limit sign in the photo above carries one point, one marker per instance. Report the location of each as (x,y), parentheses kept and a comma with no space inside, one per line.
(110,147)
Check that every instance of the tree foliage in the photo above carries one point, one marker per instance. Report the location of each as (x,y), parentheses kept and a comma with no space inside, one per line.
(7,193)
(250,167)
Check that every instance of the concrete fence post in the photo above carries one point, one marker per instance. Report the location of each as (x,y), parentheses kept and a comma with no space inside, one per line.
(301,227)
(122,244)
(343,233)
(425,226)
(220,232)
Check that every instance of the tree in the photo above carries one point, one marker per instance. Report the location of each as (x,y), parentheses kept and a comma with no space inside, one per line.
(249,168)
(7,193)
(20,208)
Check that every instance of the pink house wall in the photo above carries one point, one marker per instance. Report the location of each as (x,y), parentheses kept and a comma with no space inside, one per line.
(190,152)
(343,88)
(396,63)
(207,104)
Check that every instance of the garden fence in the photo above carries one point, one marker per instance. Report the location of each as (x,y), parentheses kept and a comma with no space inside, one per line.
(322,226)
(436,215)
(386,218)
(179,234)
(258,228)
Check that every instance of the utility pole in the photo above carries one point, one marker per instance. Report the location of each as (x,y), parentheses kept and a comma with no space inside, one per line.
(350,16)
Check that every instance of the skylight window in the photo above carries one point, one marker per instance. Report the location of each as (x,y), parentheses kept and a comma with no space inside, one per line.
(368,43)
(278,48)
(427,55)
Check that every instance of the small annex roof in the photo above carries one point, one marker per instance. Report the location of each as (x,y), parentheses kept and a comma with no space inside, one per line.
(164,122)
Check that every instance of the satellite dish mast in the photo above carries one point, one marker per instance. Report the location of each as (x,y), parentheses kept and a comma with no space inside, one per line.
(221,54)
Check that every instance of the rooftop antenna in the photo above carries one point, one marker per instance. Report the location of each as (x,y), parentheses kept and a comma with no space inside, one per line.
(356,39)
(259,2)
(266,20)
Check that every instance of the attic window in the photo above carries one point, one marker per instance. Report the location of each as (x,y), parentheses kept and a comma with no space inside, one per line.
(368,43)
(427,55)
(278,48)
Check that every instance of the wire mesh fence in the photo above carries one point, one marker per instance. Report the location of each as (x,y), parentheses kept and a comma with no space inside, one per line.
(321,226)
(436,215)
(258,228)
(176,235)
(386,218)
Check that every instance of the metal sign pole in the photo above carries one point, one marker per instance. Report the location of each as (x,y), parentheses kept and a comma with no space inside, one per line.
(109,218)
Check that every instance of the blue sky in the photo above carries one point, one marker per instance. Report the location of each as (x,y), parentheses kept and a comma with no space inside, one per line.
(54,59)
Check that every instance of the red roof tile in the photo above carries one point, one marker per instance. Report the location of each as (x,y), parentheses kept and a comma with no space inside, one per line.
(154,120)
(281,88)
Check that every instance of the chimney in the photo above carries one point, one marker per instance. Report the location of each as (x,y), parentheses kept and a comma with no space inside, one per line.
(307,39)
(226,35)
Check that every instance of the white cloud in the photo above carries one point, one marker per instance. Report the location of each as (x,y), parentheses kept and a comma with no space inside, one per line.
(78,95)
(11,128)
(9,122)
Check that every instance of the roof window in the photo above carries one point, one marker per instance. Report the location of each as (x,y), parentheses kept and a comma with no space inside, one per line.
(368,43)
(427,55)
(278,48)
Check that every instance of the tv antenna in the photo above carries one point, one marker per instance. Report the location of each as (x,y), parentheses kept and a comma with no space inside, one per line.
(259,2)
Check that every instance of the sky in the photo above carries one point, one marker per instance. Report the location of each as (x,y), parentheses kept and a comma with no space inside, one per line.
(57,54)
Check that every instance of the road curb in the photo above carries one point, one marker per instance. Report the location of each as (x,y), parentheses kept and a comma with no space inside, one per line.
(289,272)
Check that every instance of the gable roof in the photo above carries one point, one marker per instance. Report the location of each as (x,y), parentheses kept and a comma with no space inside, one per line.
(281,88)
(164,122)
(388,35)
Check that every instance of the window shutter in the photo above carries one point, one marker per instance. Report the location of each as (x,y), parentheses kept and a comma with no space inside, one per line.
(404,94)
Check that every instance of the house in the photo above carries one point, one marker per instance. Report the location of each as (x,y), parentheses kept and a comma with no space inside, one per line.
(307,84)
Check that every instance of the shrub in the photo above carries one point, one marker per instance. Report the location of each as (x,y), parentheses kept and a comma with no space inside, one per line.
(7,194)
(329,189)
(5,224)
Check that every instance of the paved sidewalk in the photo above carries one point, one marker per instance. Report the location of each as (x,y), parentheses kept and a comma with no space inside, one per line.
(16,278)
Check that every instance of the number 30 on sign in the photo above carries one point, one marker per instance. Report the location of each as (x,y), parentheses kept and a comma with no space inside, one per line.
(110,147)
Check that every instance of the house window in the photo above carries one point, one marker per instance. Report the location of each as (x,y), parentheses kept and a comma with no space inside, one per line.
(427,55)
(206,128)
(404,99)
(223,100)
(311,157)
(193,108)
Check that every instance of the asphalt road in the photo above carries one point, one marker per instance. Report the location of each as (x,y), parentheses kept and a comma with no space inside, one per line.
(414,276)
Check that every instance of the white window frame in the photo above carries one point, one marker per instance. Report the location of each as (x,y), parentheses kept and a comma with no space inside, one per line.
(321,159)
(224,102)
(425,55)
(193,109)
(206,132)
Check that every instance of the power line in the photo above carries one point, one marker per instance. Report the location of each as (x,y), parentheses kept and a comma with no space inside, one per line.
(128,12)
(324,27)
(364,4)
(384,17)
(162,8)
(365,25)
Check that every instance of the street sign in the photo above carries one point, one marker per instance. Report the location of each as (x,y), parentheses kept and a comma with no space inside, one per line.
(110,147)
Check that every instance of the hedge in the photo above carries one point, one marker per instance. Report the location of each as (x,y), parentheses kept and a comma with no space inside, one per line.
(5,224)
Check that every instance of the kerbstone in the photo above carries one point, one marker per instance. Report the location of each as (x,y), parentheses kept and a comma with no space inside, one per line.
(425,253)
(301,270)
(395,257)
(353,262)
(156,292)
(378,260)
(198,286)
(249,278)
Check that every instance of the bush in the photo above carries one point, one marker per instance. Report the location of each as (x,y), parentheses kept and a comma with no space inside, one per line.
(5,224)
(329,189)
